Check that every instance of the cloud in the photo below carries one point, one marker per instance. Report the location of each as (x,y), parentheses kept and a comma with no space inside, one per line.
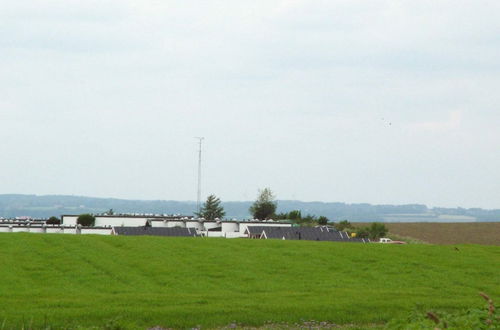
(453,122)
(301,84)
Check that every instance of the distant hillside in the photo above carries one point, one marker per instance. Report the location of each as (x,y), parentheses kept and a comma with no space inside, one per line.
(49,205)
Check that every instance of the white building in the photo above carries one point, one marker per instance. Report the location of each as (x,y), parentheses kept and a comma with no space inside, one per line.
(122,220)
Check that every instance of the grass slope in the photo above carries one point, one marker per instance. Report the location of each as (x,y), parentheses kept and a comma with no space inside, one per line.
(67,280)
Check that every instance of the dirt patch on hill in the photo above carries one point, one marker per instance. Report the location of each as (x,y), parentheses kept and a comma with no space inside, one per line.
(485,233)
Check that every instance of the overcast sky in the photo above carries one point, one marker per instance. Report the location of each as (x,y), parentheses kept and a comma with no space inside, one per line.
(351,101)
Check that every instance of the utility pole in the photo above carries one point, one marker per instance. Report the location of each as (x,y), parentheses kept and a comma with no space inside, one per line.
(198,199)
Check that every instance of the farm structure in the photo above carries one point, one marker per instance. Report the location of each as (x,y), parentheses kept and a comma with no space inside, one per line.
(106,225)
(322,233)
(134,225)
(153,231)
(131,220)
(6,227)
(227,229)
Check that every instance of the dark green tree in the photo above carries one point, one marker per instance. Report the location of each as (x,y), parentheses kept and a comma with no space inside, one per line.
(322,220)
(377,230)
(211,209)
(265,205)
(295,215)
(53,221)
(86,220)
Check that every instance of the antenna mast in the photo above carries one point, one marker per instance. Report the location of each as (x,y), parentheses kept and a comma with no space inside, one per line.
(198,199)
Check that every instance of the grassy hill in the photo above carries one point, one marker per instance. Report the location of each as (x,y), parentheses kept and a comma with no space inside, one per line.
(69,281)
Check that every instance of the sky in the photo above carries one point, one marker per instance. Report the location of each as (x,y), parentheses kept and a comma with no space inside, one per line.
(383,102)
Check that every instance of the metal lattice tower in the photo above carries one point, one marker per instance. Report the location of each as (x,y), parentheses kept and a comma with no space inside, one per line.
(198,199)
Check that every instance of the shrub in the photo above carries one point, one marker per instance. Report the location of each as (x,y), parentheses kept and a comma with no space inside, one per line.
(474,318)
(53,221)
(375,231)
(343,225)
(86,220)
(362,232)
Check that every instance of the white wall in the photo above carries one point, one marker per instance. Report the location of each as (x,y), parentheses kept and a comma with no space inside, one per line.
(55,230)
(211,224)
(70,230)
(172,224)
(233,235)
(159,223)
(194,224)
(69,220)
(120,221)
(96,231)
(37,230)
(20,229)
(101,221)
(213,234)
(230,227)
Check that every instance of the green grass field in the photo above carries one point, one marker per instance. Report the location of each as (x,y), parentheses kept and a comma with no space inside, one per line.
(83,281)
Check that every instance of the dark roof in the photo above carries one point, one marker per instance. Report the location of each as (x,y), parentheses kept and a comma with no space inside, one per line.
(307,233)
(254,230)
(154,231)
(265,222)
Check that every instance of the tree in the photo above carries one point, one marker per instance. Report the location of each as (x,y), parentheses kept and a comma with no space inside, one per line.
(211,209)
(53,221)
(86,220)
(295,215)
(308,220)
(265,205)
(322,220)
(281,216)
(377,230)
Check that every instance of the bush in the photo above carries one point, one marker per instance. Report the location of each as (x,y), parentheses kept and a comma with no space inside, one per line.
(343,225)
(53,221)
(86,220)
(474,318)
(362,232)
(375,231)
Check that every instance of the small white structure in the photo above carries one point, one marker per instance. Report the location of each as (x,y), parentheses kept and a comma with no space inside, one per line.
(230,226)
(122,220)
(105,223)
(195,224)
